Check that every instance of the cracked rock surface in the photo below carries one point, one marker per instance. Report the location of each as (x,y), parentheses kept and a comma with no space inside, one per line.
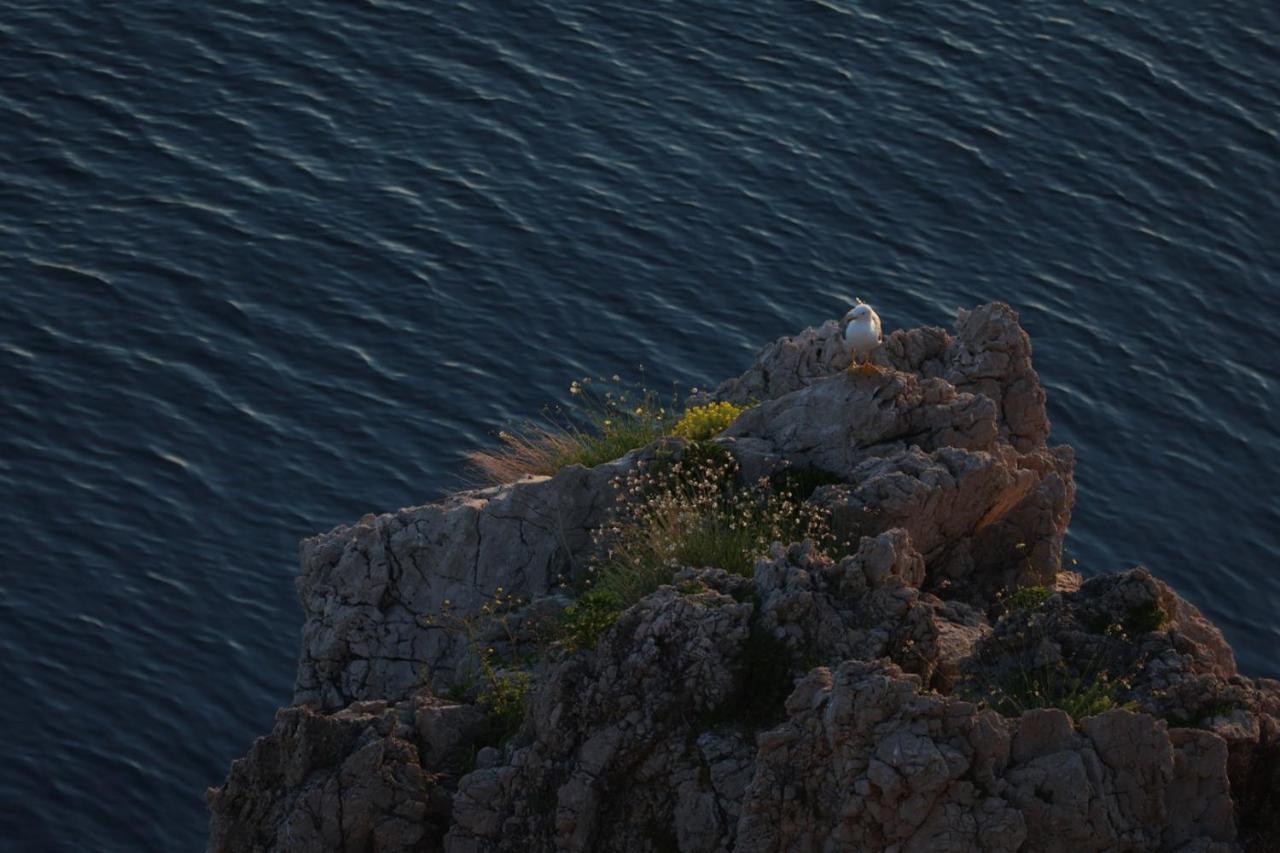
(908,691)
(368,590)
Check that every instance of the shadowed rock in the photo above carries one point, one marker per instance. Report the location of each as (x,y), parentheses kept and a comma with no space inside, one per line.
(616,757)
(346,781)
(866,761)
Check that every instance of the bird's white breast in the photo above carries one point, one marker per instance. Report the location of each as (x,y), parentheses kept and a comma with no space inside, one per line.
(862,335)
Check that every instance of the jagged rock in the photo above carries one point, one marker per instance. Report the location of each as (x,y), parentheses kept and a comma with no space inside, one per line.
(346,781)
(368,590)
(867,606)
(997,515)
(447,732)
(990,355)
(839,421)
(610,763)
(966,473)
(1164,658)
(1132,628)
(866,761)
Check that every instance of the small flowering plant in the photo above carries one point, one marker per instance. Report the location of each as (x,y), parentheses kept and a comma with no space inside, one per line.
(699,423)
(490,635)
(694,512)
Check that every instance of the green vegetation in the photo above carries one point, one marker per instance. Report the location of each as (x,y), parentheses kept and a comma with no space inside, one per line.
(1144,619)
(699,423)
(588,617)
(693,513)
(1214,708)
(504,695)
(604,426)
(1028,598)
(686,512)
(1024,688)
(500,686)
(1027,667)
(606,421)
(1140,619)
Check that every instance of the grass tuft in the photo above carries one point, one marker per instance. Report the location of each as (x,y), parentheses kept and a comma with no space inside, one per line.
(603,426)
(686,512)
(1028,598)
(588,617)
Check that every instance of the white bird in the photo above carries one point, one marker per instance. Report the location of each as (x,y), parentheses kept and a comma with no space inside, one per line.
(862,333)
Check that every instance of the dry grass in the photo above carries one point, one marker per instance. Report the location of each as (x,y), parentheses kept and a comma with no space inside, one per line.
(533,450)
(604,426)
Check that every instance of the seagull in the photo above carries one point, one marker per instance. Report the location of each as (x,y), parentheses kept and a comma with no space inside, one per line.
(862,334)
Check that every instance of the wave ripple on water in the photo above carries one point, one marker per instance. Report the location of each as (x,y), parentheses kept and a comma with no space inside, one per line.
(267,268)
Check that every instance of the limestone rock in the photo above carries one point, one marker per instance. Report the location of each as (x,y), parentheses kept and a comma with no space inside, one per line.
(989,355)
(840,420)
(998,515)
(866,761)
(613,761)
(368,591)
(346,781)
(867,606)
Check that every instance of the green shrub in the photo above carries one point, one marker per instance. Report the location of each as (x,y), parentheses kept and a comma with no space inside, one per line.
(1018,673)
(1144,619)
(1028,598)
(494,681)
(504,696)
(1213,708)
(588,617)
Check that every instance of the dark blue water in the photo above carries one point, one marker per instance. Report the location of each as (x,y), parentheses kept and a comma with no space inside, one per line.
(267,267)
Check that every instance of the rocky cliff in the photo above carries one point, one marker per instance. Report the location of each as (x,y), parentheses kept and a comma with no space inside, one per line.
(940,684)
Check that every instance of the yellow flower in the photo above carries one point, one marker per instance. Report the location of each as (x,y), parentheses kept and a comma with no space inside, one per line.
(702,422)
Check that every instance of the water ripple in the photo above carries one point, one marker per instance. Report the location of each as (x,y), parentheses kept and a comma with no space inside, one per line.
(270,267)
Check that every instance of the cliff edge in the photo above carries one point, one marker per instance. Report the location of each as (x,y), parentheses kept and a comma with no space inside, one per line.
(928,677)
